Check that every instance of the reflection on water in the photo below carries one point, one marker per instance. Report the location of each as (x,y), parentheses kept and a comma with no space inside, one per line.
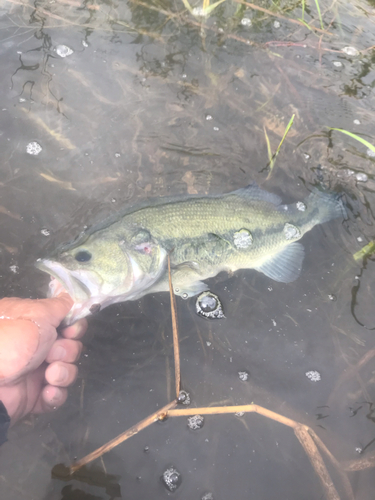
(106,104)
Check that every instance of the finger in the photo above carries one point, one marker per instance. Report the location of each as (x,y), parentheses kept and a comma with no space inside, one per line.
(64,350)
(40,311)
(75,331)
(55,309)
(19,343)
(61,374)
(50,398)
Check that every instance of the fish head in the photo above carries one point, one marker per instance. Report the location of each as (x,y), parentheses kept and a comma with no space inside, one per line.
(108,267)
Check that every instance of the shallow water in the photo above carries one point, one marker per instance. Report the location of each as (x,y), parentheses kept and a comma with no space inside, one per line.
(150,102)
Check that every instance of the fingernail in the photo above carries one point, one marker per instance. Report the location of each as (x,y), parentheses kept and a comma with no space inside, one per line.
(59,352)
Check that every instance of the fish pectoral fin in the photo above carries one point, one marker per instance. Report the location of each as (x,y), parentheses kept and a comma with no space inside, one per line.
(186,280)
(286,265)
(189,290)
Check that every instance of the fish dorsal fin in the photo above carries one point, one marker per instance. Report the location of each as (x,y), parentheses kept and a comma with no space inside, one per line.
(253,192)
(286,265)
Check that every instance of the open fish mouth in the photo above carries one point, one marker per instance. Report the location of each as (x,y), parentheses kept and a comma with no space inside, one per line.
(84,292)
(73,285)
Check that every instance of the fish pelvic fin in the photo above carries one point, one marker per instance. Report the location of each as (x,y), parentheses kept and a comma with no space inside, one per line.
(330,205)
(286,265)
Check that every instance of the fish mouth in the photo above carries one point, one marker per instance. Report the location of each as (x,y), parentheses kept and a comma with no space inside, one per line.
(75,287)
(82,290)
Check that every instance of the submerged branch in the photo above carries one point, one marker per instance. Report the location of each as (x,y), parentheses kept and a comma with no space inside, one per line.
(158,415)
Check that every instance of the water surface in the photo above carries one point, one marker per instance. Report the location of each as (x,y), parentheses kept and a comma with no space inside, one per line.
(130,100)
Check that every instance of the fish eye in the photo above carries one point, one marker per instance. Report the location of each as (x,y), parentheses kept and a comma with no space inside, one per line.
(83,256)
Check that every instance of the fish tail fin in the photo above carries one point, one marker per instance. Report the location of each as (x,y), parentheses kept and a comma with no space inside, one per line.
(329,205)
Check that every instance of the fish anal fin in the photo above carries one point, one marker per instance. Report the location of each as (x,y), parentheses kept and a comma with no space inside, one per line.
(286,265)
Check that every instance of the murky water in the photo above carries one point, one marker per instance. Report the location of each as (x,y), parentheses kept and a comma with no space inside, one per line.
(104,104)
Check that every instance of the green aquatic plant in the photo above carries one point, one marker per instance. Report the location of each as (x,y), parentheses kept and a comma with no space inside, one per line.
(302,19)
(319,14)
(365,251)
(356,137)
(272,157)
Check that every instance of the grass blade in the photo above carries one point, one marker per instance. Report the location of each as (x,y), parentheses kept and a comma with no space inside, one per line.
(366,251)
(356,137)
(273,157)
(188,6)
(285,134)
(319,14)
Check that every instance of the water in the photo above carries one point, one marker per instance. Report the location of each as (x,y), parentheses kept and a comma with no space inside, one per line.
(151,101)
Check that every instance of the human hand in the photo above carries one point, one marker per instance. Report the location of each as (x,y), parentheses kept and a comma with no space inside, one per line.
(36,364)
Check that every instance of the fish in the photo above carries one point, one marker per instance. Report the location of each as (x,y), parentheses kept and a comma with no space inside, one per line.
(126,256)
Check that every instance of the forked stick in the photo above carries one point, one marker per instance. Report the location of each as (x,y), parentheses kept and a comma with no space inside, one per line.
(158,415)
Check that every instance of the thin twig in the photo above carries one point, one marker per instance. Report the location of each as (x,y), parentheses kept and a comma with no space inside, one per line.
(335,463)
(176,347)
(316,461)
(358,464)
(122,437)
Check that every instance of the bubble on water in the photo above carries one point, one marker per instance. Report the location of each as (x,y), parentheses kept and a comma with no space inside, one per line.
(301,206)
(195,422)
(332,297)
(14,269)
(184,398)
(358,450)
(245,21)
(276,24)
(359,239)
(361,177)
(33,148)
(370,153)
(84,43)
(306,156)
(117,155)
(199,12)
(242,238)
(356,122)
(216,129)
(207,496)
(45,232)
(244,375)
(313,375)
(270,288)
(209,306)
(63,51)
(171,478)
(351,51)
(209,117)
(338,64)
(291,231)
(146,449)
(21,99)
(113,200)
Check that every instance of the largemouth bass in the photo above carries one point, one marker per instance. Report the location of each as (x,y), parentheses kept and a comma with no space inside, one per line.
(126,257)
